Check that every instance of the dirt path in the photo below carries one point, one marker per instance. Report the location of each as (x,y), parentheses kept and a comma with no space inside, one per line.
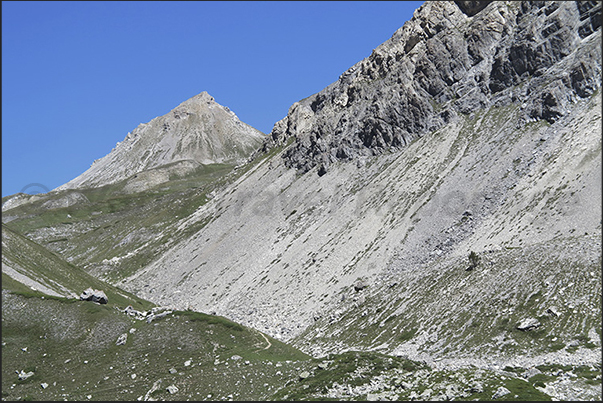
(267,341)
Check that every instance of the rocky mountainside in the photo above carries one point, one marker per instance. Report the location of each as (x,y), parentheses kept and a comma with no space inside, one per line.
(440,202)
(500,157)
(198,131)
(450,59)
(28,266)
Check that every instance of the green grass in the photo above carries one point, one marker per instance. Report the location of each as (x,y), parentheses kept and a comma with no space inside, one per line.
(353,368)
(407,335)
(210,319)
(524,392)
(73,344)
(47,267)
(542,378)
(588,372)
(95,229)
(553,368)
(515,370)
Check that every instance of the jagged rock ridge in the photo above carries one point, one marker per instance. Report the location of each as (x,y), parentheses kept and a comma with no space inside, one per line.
(447,60)
(198,131)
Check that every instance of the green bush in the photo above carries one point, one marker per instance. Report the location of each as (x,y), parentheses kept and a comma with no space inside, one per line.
(473,260)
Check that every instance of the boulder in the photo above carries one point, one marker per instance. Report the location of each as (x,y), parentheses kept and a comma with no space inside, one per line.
(470,8)
(528,324)
(360,284)
(154,316)
(531,372)
(94,295)
(133,312)
(500,392)
(24,375)
(122,339)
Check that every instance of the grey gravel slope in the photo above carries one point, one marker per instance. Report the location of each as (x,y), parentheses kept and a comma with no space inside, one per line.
(280,248)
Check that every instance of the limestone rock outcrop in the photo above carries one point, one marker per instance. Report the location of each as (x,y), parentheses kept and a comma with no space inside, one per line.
(528,324)
(451,58)
(94,295)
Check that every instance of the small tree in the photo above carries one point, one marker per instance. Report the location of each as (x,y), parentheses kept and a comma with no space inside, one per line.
(473,260)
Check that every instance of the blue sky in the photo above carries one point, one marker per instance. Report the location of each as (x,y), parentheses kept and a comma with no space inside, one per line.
(78,76)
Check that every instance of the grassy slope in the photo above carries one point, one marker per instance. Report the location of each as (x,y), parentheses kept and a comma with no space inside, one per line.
(38,263)
(115,223)
(70,346)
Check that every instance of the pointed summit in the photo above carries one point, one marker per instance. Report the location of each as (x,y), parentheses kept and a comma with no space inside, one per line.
(198,131)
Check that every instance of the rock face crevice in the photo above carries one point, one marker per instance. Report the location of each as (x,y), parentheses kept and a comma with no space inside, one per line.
(472,7)
(451,58)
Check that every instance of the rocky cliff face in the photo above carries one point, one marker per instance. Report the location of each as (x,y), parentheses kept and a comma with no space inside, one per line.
(450,59)
(461,133)
(198,131)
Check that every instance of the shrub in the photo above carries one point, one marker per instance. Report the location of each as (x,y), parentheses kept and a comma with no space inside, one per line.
(473,260)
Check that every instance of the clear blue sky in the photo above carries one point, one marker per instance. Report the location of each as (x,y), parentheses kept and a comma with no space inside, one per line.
(78,76)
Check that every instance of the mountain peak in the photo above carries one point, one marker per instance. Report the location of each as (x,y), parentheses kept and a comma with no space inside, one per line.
(198,131)
(200,103)
(202,97)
